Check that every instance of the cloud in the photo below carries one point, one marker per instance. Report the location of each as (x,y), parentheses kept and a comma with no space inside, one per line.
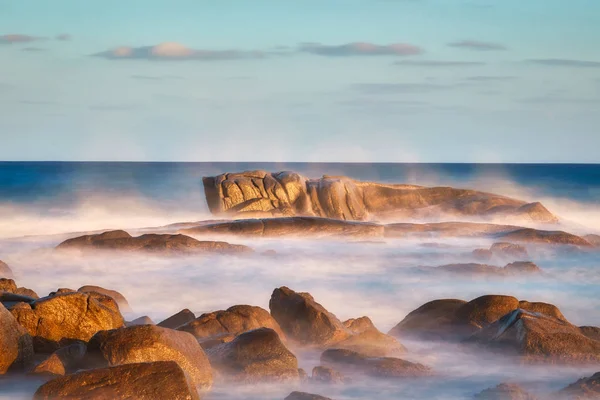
(156,78)
(18,38)
(477,45)
(393,88)
(175,51)
(562,62)
(63,37)
(360,49)
(482,78)
(438,63)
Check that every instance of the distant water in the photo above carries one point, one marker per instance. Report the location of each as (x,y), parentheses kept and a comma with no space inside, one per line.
(60,189)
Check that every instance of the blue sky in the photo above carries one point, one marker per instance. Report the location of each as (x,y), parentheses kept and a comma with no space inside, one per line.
(301,80)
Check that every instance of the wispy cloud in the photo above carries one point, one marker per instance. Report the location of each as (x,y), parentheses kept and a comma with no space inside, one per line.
(176,51)
(563,62)
(483,78)
(477,45)
(33,49)
(438,63)
(156,78)
(360,49)
(13,38)
(393,88)
(63,37)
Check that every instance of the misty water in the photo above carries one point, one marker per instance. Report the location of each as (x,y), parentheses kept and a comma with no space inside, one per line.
(375,278)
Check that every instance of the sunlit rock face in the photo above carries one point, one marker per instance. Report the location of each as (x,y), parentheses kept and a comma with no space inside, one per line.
(264,194)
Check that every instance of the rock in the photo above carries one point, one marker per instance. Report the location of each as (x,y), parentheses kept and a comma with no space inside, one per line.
(593,239)
(121,240)
(593,332)
(368,340)
(522,267)
(7,285)
(140,381)
(58,320)
(305,396)
(292,226)
(467,269)
(505,391)
(302,375)
(482,254)
(9,300)
(263,194)
(148,343)
(322,374)
(118,297)
(382,367)
(5,271)
(61,291)
(175,321)
(537,337)
(452,319)
(63,361)
(509,250)
(145,320)
(233,321)
(254,356)
(27,292)
(16,349)
(531,235)
(304,320)
(584,388)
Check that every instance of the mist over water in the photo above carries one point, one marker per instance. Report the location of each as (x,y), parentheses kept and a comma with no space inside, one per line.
(377,278)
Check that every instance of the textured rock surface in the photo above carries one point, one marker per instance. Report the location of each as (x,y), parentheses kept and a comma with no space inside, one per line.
(259,193)
(368,340)
(505,391)
(592,332)
(144,381)
(63,361)
(383,367)
(254,356)
(121,240)
(16,349)
(304,320)
(537,337)
(57,320)
(118,297)
(233,321)
(587,388)
(176,320)
(148,343)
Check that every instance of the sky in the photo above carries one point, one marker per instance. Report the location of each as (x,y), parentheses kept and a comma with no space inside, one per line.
(300,80)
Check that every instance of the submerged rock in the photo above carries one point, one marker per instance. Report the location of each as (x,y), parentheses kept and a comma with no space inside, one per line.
(16,349)
(322,374)
(381,367)
(259,193)
(509,250)
(255,356)
(181,318)
(148,343)
(584,388)
(305,396)
(58,320)
(304,320)
(505,391)
(118,297)
(140,381)
(233,321)
(121,240)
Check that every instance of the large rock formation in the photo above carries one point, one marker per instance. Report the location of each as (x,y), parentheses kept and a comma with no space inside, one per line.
(254,356)
(58,320)
(148,343)
(143,381)
(16,349)
(587,388)
(505,391)
(538,337)
(259,193)
(121,240)
(351,362)
(118,297)
(453,319)
(233,321)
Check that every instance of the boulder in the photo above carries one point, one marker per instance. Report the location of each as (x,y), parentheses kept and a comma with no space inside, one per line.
(322,374)
(482,254)
(522,267)
(148,343)
(433,320)
(27,292)
(537,337)
(505,391)
(175,321)
(263,194)
(165,243)
(231,322)
(509,251)
(304,320)
(5,271)
(63,361)
(584,388)
(368,340)
(145,320)
(118,297)
(351,362)
(7,285)
(16,348)
(140,381)
(255,356)
(305,396)
(61,319)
